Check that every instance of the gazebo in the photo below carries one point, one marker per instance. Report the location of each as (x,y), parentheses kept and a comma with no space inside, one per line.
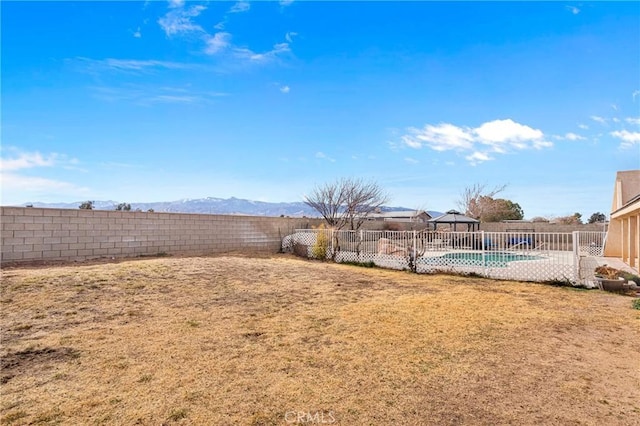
(454,219)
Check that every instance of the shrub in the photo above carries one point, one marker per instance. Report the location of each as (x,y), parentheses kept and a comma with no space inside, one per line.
(630,277)
(300,249)
(607,272)
(392,226)
(369,264)
(319,249)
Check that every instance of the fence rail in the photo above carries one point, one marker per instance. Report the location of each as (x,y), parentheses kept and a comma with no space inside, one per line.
(522,255)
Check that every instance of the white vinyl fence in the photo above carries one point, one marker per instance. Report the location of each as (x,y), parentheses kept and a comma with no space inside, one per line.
(525,256)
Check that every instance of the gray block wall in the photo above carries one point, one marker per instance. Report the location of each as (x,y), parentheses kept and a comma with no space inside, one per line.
(37,234)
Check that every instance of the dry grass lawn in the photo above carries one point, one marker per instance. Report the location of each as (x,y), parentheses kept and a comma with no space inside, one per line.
(279,340)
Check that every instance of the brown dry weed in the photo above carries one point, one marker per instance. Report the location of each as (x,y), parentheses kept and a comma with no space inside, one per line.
(279,340)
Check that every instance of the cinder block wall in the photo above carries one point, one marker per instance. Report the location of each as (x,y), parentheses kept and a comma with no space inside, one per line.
(36,234)
(538,227)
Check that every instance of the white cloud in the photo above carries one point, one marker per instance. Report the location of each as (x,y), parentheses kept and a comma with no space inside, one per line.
(583,126)
(148,94)
(442,137)
(14,182)
(218,42)
(411,160)
(635,94)
(135,64)
(629,139)
(176,3)
(573,9)
(500,131)
(289,36)
(27,160)
(285,2)
(183,99)
(501,136)
(599,119)
(573,137)
(178,20)
(248,54)
(16,185)
(633,120)
(478,157)
(285,89)
(137,33)
(321,155)
(241,6)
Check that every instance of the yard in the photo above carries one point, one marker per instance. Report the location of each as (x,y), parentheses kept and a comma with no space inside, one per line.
(280,340)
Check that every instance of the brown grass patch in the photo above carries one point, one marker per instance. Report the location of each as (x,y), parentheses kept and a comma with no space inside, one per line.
(279,340)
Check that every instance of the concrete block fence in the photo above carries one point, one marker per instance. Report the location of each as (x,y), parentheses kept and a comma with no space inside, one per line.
(37,234)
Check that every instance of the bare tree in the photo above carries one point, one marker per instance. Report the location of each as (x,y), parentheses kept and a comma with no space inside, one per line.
(362,199)
(347,201)
(328,200)
(475,199)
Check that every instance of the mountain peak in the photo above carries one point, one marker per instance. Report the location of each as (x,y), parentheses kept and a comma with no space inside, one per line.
(211,205)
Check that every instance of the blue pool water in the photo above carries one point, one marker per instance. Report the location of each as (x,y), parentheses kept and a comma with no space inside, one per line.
(494,259)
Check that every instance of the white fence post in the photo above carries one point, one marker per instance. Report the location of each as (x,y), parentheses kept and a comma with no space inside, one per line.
(415,246)
(576,256)
(484,257)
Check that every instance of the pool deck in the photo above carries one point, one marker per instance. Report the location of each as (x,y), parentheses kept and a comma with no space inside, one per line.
(617,263)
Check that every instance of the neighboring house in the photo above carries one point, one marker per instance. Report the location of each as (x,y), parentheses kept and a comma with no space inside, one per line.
(623,238)
(414,216)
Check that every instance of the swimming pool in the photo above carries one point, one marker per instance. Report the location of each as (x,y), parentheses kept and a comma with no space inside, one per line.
(492,259)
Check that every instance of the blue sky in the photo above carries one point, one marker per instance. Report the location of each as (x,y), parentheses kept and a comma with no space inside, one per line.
(158,101)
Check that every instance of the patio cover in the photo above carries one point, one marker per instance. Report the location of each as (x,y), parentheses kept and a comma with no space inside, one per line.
(456,219)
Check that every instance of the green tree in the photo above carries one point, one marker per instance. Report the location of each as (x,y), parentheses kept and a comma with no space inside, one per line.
(496,210)
(502,209)
(574,219)
(540,219)
(476,198)
(87,205)
(123,207)
(597,218)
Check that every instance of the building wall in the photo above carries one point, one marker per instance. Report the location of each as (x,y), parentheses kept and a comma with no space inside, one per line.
(37,234)
(624,232)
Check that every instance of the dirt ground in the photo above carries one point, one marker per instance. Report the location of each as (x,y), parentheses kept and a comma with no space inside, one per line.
(280,340)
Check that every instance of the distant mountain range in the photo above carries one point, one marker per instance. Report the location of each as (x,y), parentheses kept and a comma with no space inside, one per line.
(212,205)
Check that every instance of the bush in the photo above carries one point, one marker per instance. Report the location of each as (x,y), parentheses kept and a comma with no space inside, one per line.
(607,272)
(300,249)
(319,249)
(369,264)
(392,226)
(630,277)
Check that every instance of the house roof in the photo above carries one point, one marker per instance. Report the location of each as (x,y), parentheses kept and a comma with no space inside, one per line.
(402,214)
(453,216)
(626,189)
